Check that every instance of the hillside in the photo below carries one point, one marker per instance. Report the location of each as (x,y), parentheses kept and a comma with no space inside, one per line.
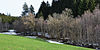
(9,42)
(8,19)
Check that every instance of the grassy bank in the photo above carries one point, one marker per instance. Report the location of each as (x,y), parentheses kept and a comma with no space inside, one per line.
(9,42)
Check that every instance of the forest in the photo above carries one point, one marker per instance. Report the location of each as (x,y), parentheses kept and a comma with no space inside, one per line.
(75,22)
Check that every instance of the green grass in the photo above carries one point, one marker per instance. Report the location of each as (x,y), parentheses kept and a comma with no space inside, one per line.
(9,42)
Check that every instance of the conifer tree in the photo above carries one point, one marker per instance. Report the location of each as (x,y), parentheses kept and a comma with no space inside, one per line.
(31,9)
(25,9)
(44,10)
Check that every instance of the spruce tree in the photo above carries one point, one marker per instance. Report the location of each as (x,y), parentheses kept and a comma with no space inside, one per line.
(32,9)
(44,9)
(25,9)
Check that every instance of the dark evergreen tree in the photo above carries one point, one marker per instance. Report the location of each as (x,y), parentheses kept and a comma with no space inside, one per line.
(55,6)
(78,6)
(25,9)
(44,10)
(32,9)
(47,10)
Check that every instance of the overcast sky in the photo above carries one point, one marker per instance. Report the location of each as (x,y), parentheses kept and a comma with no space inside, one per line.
(14,7)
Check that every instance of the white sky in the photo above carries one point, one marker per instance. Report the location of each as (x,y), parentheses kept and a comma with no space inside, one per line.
(14,7)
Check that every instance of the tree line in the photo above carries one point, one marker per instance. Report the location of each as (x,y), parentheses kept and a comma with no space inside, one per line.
(81,31)
(6,22)
(77,6)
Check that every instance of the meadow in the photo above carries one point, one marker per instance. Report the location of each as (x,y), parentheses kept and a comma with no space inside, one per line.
(12,42)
